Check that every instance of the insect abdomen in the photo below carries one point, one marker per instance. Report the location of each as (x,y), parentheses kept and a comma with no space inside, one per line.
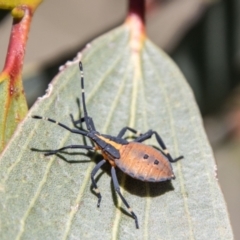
(144,163)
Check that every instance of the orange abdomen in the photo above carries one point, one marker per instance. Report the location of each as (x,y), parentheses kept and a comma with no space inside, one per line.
(144,163)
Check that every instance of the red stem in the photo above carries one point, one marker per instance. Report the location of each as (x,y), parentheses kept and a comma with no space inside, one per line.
(137,7)
(17,44)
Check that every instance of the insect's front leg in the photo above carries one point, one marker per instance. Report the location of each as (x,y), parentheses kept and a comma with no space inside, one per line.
(95,187)
(87,119)
(123,131)
(75,122)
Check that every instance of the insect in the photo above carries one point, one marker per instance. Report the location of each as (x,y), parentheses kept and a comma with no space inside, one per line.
(134,158)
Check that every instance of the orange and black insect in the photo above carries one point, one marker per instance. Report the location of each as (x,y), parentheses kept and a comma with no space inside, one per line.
(134,158)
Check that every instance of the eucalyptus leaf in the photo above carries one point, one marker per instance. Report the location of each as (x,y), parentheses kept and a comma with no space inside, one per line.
(13,107)
(49,198)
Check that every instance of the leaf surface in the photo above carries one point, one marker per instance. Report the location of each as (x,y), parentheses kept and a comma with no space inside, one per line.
(48,198)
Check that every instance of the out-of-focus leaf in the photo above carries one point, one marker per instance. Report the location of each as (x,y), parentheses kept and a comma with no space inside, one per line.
(48,198)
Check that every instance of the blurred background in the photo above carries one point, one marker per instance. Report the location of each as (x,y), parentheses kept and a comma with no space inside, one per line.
(202,36)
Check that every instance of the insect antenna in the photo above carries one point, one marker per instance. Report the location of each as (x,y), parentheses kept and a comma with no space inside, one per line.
(88,120)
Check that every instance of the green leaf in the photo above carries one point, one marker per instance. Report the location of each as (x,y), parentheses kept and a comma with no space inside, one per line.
(48,198)
(13,106)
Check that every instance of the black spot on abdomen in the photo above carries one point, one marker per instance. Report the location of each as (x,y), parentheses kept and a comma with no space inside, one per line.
(145,156)
(156,162)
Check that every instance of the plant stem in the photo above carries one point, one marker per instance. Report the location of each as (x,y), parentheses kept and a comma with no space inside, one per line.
(17,44)
(137,7)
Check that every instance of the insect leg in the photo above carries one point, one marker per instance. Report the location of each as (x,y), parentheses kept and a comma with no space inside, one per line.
(81,120)
(117,188)
(123,131)
(95,188)
(67,147)
(75,122)
(148,135)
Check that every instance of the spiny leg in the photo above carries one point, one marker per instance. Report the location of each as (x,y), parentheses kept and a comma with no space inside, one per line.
(95,187)
(117,189)
(123,131)
(67,147)
(148,135)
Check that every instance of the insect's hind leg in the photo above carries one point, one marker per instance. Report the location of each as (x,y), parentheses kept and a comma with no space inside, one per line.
(148,135)
(117,188)
(95,187)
